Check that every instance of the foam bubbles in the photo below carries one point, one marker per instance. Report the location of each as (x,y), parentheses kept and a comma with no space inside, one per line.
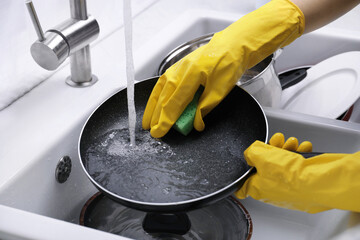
(154,171)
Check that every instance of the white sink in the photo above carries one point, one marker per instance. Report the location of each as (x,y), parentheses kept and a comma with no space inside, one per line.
(32,199)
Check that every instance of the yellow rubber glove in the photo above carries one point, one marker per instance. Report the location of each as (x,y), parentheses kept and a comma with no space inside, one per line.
(291,144)
(287,179)
(219,64)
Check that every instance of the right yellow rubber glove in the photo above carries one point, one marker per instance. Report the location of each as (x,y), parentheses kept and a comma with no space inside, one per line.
(219,64)
(287,179)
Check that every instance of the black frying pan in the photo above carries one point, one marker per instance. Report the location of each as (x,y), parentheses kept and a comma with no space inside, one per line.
(175,173)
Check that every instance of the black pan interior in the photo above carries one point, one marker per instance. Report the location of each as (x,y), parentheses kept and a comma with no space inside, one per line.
(175,168)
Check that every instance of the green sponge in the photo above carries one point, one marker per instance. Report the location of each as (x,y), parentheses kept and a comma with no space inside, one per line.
(185,122)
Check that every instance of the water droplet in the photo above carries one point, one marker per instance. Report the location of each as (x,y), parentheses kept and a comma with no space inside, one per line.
(204,182)
(166,190)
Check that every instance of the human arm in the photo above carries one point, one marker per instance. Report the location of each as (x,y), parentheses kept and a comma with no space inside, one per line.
(321,12)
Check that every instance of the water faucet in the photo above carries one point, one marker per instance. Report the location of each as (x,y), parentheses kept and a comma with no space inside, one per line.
(71,39)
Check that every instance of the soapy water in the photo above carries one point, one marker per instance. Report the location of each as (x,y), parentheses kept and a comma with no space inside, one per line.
(153,171)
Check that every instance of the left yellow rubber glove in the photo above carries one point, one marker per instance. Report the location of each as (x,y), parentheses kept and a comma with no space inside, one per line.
(219,64)
(287,179)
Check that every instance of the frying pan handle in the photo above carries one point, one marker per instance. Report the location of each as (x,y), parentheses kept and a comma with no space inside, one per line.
(304,154)
(175,223)
(309,154)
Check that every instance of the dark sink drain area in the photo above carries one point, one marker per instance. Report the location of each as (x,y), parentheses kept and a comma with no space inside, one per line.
(226,219)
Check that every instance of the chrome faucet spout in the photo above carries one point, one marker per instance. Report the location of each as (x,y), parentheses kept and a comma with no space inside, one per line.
(70,39)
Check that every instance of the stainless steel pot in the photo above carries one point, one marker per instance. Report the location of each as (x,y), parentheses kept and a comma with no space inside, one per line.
(260,81)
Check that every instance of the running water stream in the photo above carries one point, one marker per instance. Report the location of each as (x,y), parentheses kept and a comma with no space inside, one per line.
(129,70)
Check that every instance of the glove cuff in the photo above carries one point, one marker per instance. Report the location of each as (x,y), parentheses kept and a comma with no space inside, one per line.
(272,26)
(301,20)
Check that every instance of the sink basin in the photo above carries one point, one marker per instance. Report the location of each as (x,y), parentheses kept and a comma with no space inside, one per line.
(33,203)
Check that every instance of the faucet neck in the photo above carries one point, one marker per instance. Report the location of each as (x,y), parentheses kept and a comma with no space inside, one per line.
(78,9)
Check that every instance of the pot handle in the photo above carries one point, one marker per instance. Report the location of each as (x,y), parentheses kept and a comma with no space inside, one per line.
(291,78)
